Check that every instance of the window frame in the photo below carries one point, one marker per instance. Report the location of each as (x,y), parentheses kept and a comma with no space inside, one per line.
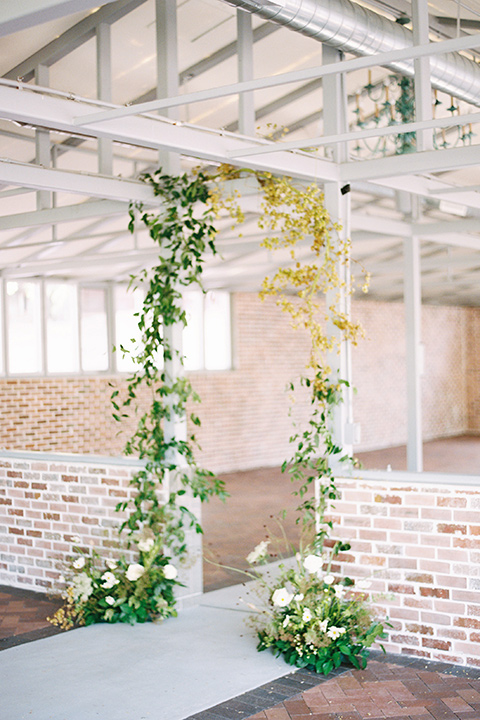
(108,287)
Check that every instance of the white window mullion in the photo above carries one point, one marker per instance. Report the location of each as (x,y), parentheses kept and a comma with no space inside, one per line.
(4,327)
(43,330)
(112,359)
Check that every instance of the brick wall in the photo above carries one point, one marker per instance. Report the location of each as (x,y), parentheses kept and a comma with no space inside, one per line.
(420,546)
(244,412)
(45,504)
(450,382)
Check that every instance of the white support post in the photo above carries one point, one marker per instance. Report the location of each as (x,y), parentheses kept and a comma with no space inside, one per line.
(423,85)
(104,92)
(42,143)
(414,354)
(167,70)
(338,206)
(246,106)
(176,426)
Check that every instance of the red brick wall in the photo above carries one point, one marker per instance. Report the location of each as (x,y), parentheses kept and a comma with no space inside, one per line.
(44,504)
(420,546)
(245,411)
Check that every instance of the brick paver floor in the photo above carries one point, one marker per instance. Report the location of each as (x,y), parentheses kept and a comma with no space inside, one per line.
(23,616)
(384,690)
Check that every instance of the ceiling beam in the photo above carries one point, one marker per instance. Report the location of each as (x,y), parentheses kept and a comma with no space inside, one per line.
(40,178)
(410,164)
(467,225)
(72,38)
(65,213)
(153,132)
(343,66)
(357,134)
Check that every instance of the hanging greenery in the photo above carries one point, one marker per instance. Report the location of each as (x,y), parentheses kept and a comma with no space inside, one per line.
(293,218)
(307,614)
(117,590)
(183,229)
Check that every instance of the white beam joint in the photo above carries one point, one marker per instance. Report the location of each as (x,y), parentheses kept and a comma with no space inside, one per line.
(42,142)
(246,106)
(167,70)
(338,207)
(104,92)
(423,85)
(414,359)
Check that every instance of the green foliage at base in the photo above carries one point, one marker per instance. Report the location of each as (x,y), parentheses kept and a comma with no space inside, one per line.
(314,619)
(106,590)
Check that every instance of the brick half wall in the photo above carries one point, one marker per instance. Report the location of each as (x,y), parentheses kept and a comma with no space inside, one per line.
(419,543)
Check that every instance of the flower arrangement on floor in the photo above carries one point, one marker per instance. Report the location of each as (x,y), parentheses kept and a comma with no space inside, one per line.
(107,590)
(311,617)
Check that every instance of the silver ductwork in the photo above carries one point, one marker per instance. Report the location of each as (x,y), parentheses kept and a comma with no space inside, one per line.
(352,28)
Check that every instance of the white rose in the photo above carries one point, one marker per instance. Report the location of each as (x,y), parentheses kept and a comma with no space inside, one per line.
(323,625)
(329,579)
(110,600)
(170,572)
(313,564)
(135,572)
(281,597)
(109,580)
(146,545)
(307,615)
(258,552)
(299,597)
(79,563)
(111,564)
(339,591)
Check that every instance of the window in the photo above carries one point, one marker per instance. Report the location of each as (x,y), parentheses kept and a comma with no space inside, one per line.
(207,337)
(61,312)
(55,326)
(94,329)
(193,332)
(218,343)
(24,327)
(127,303)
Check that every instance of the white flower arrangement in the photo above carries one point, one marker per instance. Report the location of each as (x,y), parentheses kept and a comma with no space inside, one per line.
(107,590)
(315,619)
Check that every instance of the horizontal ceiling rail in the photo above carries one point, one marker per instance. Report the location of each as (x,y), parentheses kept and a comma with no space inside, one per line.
(154,132)
(396,129)
(416,51)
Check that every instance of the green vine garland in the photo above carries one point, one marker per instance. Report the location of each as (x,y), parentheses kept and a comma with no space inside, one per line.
(183,229)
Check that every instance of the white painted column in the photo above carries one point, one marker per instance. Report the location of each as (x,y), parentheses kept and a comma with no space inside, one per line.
(176,427)
(167,70)
(42,143)
(104,92)
(423,85)
(246,107)
(338,206)
(414,353)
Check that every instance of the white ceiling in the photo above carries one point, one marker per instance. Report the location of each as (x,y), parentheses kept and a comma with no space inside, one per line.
(100,247)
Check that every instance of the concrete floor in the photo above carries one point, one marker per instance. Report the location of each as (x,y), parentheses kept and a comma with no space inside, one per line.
(165,671)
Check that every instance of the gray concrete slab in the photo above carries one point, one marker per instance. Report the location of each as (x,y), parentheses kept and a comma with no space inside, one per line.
(165,671)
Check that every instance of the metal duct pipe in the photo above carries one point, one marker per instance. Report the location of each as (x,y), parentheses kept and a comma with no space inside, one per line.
(352,28)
